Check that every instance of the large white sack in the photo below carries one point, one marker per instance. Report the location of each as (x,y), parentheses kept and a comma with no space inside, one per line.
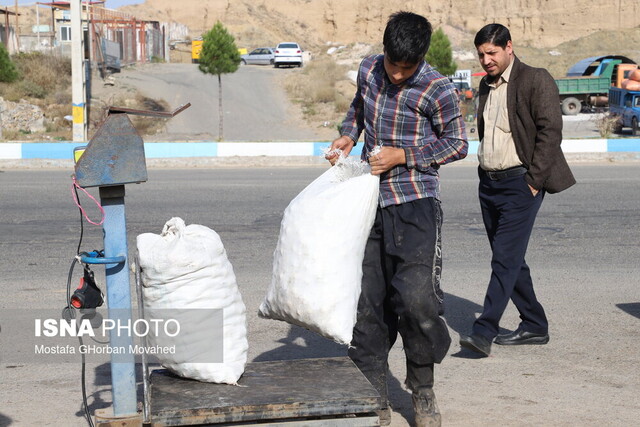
(317,266)
(186,267)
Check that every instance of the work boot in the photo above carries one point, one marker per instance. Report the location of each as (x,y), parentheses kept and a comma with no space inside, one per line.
(384,416)
(426,408)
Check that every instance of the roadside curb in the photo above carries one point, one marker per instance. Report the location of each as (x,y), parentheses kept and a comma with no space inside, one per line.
(48,155)
(271,162)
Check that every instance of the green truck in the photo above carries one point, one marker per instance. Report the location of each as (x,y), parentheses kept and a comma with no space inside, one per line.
(588,81)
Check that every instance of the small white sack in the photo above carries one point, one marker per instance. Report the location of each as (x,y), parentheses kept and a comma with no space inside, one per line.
(317,266)
(186,267)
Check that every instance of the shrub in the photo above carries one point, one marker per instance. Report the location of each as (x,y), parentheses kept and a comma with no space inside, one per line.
(342,104)
(11,92)
(62,97)
(440,55)
(317,83)
(319,88)
(10,135)
(50,72)
(144,125)
(607,124)
(31,89)
(8,71)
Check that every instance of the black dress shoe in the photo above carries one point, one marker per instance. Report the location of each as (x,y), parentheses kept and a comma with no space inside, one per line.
(521,337)
(477,343)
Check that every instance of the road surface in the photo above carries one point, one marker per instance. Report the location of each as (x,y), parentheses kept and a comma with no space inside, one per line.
(583,255)
(255,105)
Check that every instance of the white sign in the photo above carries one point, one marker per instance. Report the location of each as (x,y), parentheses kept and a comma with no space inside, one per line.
(462,76)
(40,29)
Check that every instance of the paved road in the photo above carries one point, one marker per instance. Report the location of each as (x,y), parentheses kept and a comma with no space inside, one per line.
(255,105)
(583,255)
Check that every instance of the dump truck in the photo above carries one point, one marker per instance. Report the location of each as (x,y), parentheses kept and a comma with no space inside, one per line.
(625,104)
(588,81)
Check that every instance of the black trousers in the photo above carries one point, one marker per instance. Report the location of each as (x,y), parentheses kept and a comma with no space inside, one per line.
(509,211)
(401,293)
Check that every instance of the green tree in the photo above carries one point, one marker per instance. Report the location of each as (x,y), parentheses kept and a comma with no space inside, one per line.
(219,56)
(8,71)
(440,55)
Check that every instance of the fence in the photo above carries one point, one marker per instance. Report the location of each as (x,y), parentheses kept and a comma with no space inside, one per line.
(8,38)
(138,40)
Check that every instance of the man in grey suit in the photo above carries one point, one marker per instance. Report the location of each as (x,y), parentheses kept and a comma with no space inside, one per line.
(520,129)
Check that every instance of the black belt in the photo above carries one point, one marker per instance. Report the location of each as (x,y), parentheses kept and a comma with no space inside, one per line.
(507,173)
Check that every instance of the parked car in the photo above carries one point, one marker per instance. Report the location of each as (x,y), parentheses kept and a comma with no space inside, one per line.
(288,53)
(262,55)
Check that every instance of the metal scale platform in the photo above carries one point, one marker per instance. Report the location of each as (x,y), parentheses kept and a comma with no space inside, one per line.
(309,392)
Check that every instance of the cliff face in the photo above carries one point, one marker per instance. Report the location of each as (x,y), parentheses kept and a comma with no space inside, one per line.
(538,23)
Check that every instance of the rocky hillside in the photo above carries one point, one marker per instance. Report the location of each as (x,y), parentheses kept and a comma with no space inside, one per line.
(570,29)
(547,33)
(543,23)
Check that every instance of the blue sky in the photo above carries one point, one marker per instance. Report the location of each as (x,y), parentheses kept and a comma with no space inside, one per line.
(111,4)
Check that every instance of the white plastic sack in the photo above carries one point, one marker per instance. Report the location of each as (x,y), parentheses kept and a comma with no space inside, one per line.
(186,267)
(317,266)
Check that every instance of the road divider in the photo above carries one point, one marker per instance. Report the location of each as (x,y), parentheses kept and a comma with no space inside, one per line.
(160,150)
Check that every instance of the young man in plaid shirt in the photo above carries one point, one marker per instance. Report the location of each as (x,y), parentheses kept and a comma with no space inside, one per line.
(411,112)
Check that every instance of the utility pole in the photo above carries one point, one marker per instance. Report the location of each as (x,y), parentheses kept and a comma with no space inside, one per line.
(17,32)
(90,32)
(38,24)
(17,28)
(78,78)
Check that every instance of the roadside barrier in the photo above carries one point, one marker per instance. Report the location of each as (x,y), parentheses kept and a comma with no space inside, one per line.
(160,150)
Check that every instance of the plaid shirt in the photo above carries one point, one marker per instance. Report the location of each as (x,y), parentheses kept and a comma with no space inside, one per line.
(421,116)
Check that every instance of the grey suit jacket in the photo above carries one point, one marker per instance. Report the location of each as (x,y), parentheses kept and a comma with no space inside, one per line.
(536,124)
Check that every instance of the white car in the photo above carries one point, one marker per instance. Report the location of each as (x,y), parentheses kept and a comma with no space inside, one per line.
(288,53)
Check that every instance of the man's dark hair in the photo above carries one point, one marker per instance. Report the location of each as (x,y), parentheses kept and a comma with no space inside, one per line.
(495,34)
(406,37)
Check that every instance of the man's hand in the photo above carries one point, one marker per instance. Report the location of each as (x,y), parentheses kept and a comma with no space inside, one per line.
(387,158)
(343,143)
(533,190)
